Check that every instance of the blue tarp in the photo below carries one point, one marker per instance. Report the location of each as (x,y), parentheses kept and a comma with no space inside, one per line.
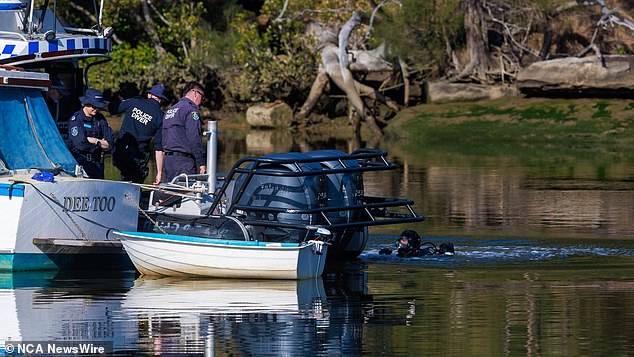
(28,136)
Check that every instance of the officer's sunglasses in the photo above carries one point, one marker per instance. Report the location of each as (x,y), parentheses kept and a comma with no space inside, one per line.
(202,95)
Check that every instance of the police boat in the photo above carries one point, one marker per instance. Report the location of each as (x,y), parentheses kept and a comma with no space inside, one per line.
(34,38)
(279,200)
(53,217)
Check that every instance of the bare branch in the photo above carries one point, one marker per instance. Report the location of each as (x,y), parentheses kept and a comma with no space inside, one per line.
(158,13)
(315,92)
(280,16)
(92,17)
(151,28)
(374,12)
(610,17)
(344,35)
(507,30)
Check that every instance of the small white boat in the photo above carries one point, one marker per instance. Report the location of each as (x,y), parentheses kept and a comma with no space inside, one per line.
(176,255)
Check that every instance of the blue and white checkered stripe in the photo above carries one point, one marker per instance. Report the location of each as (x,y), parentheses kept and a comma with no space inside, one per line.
(13,48)
(8,50)
(69,44)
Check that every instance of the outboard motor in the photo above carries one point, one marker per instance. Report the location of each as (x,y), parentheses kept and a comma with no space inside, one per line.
(343,190)
(277,191)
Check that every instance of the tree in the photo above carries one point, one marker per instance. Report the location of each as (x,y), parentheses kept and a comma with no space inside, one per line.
(158,40)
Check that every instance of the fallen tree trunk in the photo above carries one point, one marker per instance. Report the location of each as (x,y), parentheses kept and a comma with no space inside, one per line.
(335,66)
(613,75)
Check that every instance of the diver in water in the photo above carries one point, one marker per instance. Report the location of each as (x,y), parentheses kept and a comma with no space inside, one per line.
(409,245)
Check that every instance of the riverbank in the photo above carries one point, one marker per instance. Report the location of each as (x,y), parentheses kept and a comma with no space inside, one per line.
(535,130)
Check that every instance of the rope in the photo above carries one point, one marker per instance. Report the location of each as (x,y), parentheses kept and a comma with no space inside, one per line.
(34,131)
(68,212)
(155,223)
(83,234)
(169,190)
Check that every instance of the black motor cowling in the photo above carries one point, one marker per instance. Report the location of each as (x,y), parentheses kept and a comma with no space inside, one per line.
(274,186)
(272,189)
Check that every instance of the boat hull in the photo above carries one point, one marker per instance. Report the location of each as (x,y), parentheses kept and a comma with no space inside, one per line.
(64,224)
(173,255)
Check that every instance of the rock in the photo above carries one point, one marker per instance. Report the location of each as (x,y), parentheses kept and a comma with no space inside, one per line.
(581,76)
(445,92)
(267,141)
(270,115)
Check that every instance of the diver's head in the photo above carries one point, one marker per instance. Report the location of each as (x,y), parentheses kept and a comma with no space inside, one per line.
(408,243)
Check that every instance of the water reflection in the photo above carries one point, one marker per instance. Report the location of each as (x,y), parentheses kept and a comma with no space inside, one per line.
(246,317)
(262,315)
(474,200)
(533,192)
(514,289)
(61,306)
(359,308)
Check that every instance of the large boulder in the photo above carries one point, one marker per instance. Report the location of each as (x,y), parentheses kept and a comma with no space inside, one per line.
(446,92)
(270,115)
(583,76)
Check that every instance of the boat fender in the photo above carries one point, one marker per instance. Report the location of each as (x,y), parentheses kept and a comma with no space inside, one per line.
(318,246)
(44,177)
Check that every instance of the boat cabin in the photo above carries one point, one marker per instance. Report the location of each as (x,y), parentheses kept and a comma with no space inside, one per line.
(37,39)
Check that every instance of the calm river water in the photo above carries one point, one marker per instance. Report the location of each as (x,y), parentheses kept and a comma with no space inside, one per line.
(544,266)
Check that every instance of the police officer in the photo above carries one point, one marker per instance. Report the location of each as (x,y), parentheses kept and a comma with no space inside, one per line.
(183,148)
(141,124)
(89,133)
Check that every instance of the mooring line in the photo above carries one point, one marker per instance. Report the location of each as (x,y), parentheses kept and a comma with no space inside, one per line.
(145,214)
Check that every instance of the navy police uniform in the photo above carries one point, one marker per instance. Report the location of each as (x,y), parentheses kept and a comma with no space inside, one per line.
(182,144)
(140,127)
(90,156)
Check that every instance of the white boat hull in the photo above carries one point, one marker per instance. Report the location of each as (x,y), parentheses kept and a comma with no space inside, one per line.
(172,255)
(66,223)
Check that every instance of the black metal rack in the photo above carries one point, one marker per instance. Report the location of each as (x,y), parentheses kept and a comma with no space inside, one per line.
(370,211)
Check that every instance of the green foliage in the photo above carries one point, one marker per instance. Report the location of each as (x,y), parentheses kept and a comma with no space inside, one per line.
(192,43)
(624,50)
(602,110)
(136,66)
(276,61)
(269,56)
(526,123)
(545,112)
(419,30)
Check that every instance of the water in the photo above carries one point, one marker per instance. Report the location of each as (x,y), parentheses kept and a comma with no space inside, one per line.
(544,266)
(569,300)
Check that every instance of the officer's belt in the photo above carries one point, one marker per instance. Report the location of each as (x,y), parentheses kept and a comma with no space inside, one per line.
(178,153)
(91,157)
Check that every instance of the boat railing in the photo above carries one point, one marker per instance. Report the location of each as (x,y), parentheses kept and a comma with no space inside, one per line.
(10,34)
(370,214)
(84,31)
(368,211)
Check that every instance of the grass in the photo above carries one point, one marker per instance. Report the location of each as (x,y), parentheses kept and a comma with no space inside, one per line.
(526,127)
